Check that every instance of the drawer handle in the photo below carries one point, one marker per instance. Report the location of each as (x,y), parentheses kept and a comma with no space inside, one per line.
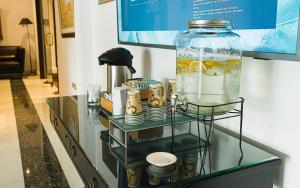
(92,182)
(55,122)
(73,151)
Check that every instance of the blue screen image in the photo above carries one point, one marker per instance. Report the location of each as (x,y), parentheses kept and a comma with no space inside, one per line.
(268,26)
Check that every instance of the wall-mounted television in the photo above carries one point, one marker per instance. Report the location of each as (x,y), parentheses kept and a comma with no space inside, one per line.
(269,29)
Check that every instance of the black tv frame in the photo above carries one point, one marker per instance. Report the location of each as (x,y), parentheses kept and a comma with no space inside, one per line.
(254,54)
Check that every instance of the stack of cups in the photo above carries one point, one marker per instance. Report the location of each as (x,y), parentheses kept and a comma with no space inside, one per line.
(171,91)
(134,113)
(134,170)
(190,158)
(93,94)
(156,102)
(134,177)
(119,100)
(189,165)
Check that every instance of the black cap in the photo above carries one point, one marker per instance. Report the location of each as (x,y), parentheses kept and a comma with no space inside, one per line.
(117,57)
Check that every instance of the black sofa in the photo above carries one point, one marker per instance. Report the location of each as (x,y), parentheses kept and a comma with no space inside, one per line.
(12,59)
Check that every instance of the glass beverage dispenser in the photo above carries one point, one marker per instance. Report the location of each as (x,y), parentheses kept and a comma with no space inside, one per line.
(208,65)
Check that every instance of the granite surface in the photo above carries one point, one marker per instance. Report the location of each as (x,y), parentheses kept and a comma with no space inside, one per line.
(40,164)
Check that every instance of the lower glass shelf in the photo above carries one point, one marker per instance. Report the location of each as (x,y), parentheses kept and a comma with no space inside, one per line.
(135,154)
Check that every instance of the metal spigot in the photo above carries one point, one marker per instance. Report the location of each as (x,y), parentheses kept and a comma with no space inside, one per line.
(174,99)
(175,102)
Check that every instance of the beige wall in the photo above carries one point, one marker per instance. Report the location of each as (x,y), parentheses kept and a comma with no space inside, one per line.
(12,11)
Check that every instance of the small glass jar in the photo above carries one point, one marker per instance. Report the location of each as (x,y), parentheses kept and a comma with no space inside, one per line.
(208,64)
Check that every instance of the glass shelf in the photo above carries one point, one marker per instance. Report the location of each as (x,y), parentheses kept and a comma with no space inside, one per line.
(148,124)
(181,116)
(136,153)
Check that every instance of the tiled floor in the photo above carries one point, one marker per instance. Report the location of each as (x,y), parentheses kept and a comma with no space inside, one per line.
(11,173)
(38,92)
(41,167)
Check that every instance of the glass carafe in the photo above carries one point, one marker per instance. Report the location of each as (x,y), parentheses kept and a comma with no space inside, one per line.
(208,65)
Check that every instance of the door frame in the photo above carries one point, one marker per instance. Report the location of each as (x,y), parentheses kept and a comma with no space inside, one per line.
(41,39)
(41,36)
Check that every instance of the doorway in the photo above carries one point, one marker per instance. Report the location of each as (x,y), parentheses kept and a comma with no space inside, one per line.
(47,42)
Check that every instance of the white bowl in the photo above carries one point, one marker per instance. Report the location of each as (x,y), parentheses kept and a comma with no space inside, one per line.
(161,159)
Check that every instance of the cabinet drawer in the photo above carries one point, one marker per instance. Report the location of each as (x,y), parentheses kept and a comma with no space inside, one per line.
(89,174)
(52,116)
(64,137)
(61,131)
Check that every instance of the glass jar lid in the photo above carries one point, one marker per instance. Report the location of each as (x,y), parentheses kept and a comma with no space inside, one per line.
(209,23)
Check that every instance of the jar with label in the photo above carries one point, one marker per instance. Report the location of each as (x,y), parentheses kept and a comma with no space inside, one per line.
(208,65)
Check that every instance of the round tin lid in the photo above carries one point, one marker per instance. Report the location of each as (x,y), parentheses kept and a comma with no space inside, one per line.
(172,81)
(155,85)
(208,23)
(133,91)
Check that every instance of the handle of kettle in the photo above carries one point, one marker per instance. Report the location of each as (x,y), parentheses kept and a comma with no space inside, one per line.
(132,70)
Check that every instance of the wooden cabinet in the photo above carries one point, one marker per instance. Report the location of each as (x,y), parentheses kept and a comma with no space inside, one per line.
(88,173)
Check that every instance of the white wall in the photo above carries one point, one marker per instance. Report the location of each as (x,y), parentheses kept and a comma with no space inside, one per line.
(66,59)
(84,44)
(75,55)
(271,88)
(12,11)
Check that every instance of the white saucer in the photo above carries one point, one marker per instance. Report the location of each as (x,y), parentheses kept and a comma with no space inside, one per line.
(161,159)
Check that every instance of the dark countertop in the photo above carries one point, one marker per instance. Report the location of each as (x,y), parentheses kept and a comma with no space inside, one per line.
(222,157)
